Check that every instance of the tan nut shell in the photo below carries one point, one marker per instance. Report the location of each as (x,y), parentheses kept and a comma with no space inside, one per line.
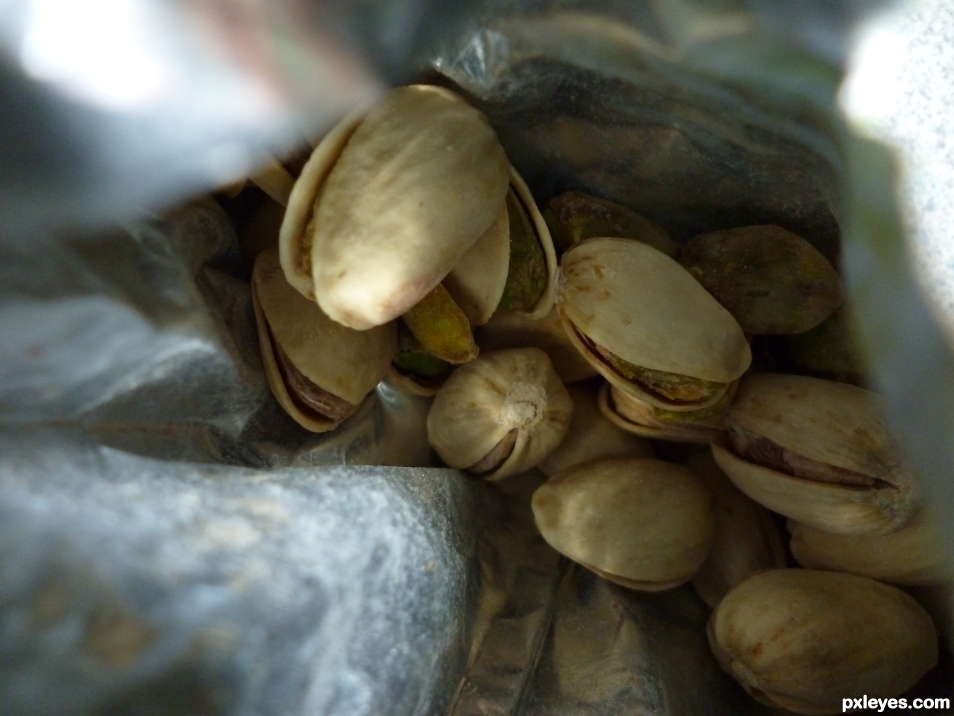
(832,423)
(396,204)
(912,555)
(547,300)
(342,361)
(591,436)
(747,539)
(645,308)
(803,639)
(482,401)
(515,330)
(642,523)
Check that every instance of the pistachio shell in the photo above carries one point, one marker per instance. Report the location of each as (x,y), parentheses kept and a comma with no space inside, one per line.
(863,487)
(804,640)
(828,351)
(591,436)
(413,188)
(516,330)
(642,523)
(769,279)
(912,555)
(575,216)
(500,414)
(640,418)
(477,281)
(545,303)
(644,308)
(747,539)
(346,363)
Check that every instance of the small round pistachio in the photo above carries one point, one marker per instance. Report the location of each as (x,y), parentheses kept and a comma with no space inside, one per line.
(747,539)
(804,640)
(318,370)
(914,554)
(648,326)
(769,279)
(389,203)
(500,414)
(591,436)
(642,523)
(817,451)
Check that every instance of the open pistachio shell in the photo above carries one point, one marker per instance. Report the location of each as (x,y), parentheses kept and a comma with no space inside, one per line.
(914,554)
(804,640)
(516,330)
(591,436)
(575,216)
(640,418)
(642,523)
(747,539)
(819,452)
(500,414)
(388,204)
(771,280)
(627,299)
(318,370)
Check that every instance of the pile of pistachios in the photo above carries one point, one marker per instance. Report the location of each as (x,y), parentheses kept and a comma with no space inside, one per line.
(411,251)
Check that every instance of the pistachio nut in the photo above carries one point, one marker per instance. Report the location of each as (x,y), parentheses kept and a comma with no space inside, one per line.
(648,326)
(640,418)
(414,369)
(591,436)
(828,351)
(912,555)
(389,202)
(318,370)
(804,640)
(500,414)
(642,523)
(442,327)
(746,541)
(769,279)
(816,451)
(515,330)
(575,216)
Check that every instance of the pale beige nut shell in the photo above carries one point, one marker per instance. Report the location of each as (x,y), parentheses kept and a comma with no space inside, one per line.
(804,639)
(419,180)
(642,523)
(477,281)
(500,391)
(612,400)
(643,307)
(914,554)
(515,330)
(747,539)
(591,436)
(832,423)
(342,361)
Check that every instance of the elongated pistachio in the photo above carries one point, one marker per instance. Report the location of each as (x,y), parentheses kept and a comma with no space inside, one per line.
(642,523)
(641,418)
(500,414)
(914,554)
(318,370)
(575,216)
(515,330)
(819,452)
(647,326)
(591,436)
(389,202)
(746,541)
(804,640)
(769,279)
